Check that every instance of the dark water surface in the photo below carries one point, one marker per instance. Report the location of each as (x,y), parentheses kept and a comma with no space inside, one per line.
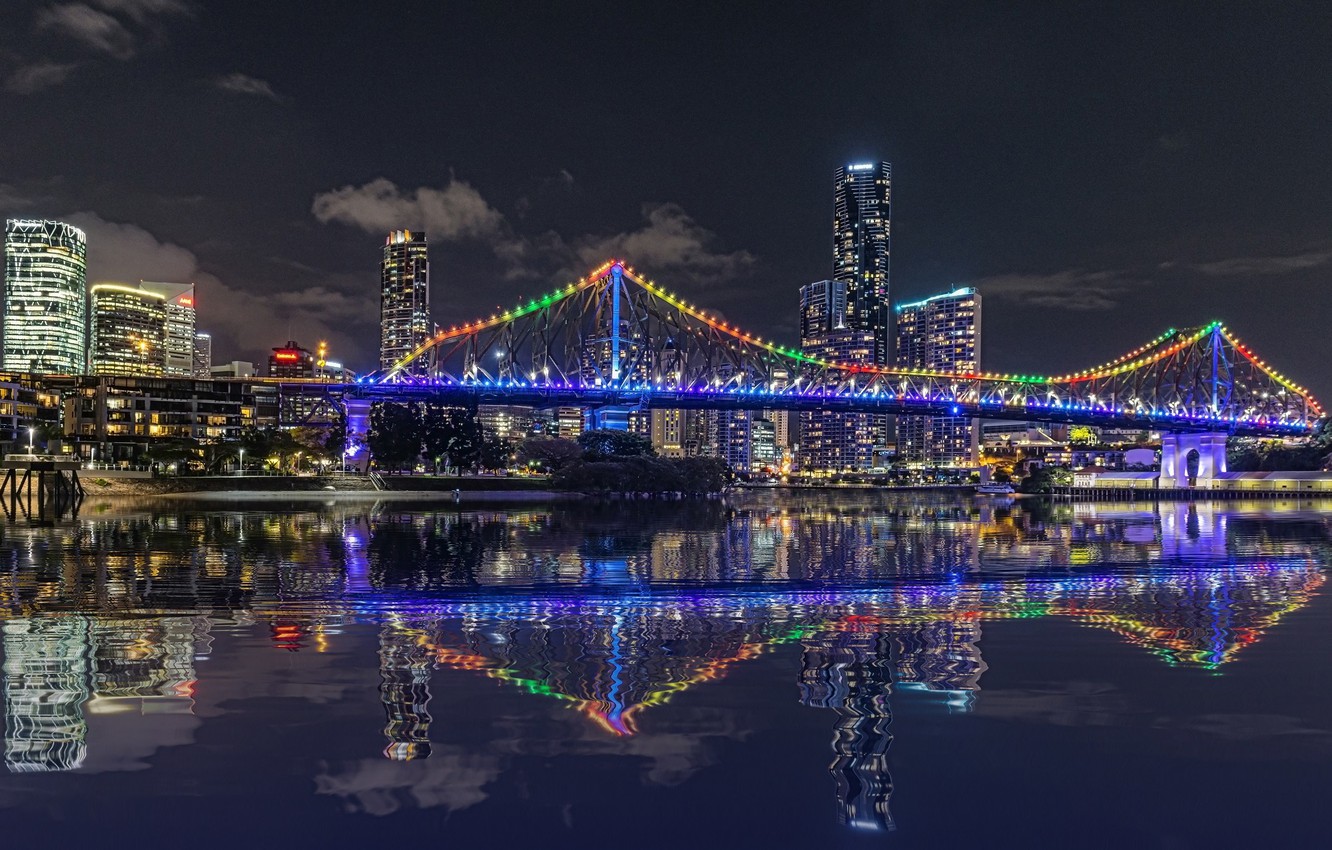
(804,672)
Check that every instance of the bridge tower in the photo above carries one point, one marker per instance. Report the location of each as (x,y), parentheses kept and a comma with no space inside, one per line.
(1192,460)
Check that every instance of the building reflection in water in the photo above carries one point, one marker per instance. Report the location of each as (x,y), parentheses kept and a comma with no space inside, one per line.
(615,615)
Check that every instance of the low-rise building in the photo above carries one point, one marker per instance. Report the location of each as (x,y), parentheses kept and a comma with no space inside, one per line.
(118,416)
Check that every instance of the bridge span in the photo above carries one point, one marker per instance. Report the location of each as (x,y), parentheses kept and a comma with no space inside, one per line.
(616,339)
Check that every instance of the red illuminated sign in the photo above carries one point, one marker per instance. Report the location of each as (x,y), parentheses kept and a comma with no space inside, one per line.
(186,301)
(288,356)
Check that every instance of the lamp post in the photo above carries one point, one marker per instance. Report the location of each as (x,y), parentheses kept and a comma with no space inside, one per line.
(31,433)
(240,467)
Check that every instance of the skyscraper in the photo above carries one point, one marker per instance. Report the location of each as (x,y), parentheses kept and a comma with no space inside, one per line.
(836,442)
(203,355)
(941,333)
(46,297)
(861,242)
(822,307)
(128,330)
(404,296)
(180,323)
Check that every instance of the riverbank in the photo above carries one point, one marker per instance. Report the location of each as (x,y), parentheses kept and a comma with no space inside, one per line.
(349,488)
(470,497)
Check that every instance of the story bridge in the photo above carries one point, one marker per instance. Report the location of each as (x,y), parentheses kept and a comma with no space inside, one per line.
(615,340)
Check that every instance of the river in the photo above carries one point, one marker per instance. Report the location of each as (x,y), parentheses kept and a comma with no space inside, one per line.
(814,670)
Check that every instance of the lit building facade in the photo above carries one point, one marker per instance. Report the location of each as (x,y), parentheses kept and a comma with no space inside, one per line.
(26,402)
(291,361)
(861,249)
(46,297)
(178,361)
(404,296)
(203,355)
(764,455)
(128,330)
(668,432)
(836,442)
(822,307)
(942,333)
(120,416)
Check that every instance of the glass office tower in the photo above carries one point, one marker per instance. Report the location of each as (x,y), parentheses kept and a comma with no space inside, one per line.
(46,297)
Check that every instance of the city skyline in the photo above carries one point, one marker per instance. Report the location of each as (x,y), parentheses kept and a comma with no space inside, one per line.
(1197,219)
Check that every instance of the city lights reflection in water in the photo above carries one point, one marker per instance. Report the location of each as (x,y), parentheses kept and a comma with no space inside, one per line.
(630,623)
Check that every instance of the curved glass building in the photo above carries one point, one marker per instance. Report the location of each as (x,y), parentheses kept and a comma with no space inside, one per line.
(129,330)
(46,297)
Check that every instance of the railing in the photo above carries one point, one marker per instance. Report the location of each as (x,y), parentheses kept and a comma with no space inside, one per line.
(376,480)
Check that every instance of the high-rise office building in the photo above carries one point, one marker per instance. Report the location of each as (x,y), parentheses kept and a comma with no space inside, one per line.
(861,242)
(941,333)
(180,325)
(203,355)
(291,361)
(128,330)
(46,297)
(836,442)
(404,296)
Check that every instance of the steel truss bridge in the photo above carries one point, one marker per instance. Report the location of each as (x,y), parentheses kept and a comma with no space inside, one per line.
(616,339)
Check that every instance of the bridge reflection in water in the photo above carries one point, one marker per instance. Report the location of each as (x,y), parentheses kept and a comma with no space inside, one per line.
(616,616)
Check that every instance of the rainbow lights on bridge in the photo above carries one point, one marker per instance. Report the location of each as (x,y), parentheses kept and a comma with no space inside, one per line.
(615,338)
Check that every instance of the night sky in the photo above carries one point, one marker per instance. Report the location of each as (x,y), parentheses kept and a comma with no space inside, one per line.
(1101,171)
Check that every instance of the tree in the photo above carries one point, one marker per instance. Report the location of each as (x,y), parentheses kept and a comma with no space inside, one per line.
(548,454)
(452,434)
(176,450)
(1043,480)
(395,434)
(605,443)
(494,452)
(1082,435)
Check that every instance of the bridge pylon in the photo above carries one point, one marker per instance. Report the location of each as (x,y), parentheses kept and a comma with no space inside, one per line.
(1192,460)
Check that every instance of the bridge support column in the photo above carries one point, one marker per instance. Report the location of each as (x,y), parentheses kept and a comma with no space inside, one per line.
(357,454)
(1178,451)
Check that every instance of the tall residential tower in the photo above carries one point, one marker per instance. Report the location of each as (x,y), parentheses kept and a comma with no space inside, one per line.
(861,242)
(831,441)
(404,296)
(46,298)
(942,333)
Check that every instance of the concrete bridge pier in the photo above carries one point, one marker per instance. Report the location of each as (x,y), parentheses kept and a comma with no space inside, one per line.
(357,453)
(1192,460)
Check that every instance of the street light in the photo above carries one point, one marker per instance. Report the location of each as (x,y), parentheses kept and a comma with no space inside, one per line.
(31,433)
(240,467)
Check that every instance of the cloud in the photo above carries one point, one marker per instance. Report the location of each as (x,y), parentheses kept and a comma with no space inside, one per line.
(670,240)
(1263,266)
(246,85)
(11,199)
(94,28)
(244,324)
(456,211)
(38,76)
(142,11)
(1072,289)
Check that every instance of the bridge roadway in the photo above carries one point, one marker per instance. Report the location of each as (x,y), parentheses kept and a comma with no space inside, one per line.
(550,395)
